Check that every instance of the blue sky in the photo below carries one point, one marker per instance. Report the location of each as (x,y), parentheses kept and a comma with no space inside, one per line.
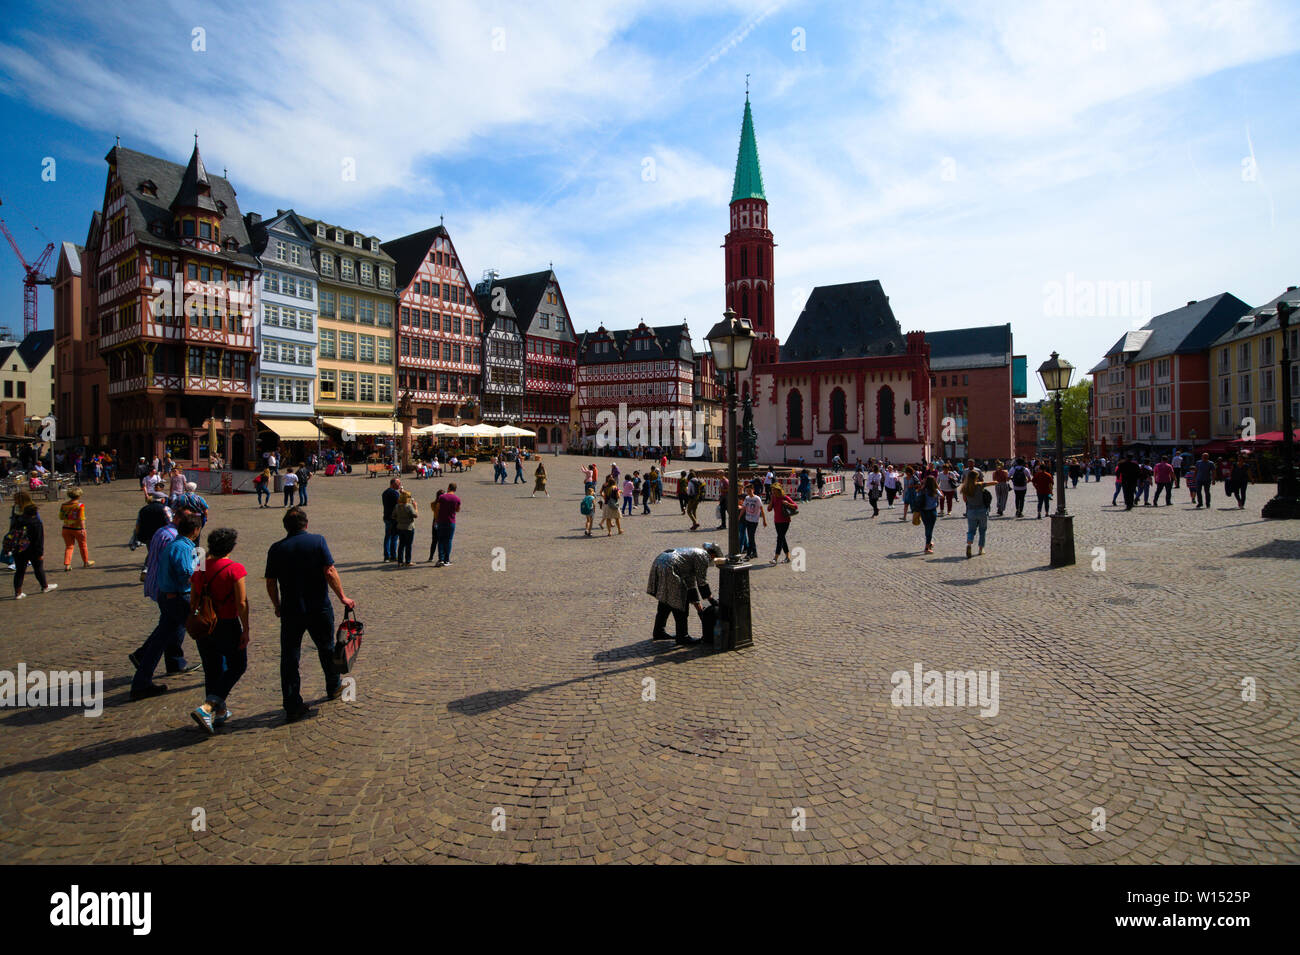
(967,155)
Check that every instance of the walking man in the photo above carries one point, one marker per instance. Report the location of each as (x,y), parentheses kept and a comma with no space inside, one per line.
(300,572)
(176,564)
(1128,472)
(1204,479)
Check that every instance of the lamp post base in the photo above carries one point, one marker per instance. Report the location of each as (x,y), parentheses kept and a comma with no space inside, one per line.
(1062,540)
(1283,507)
(733,602)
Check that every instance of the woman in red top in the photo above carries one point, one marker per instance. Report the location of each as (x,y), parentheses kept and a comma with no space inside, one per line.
(1042,481)
(225,650)
(782,508)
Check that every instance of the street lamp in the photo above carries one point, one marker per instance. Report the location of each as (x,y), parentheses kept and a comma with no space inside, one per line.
(318,421)
(394,458)
(731,341)
(1055,375)
(1286,505)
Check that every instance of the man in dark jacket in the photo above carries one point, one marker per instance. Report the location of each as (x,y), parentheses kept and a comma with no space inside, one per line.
(389,498)
(1129,472)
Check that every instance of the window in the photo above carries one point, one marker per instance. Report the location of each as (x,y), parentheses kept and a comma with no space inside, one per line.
(885,413)
(386,389)
(455,324)
(367,273)
(348,386)
(306,289)
(1144,372)
(327,343)
(348,346)
(320,230)
(446,293)
(455,352)
(347,308)
(1243,356)
(446,350)
(1162,396)
(289,285)
(326,264)
(446,324)
(356,241)
(794,415)
(1225,361)
(384,314)
(1225,388)
(367,387)
(1266,385)
(1266,356)
(281,250)
(839,410)
(406,347)
(406,316)
(187,229)
(366,311)
(366,351)
(345,266)
(385,277)
(545,321)
(384,351)
(1243,388)
(559,324)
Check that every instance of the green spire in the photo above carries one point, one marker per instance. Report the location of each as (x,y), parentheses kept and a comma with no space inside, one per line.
(749,177)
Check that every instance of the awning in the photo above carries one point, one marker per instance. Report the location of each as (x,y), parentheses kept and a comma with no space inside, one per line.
(291,429)
(363,425)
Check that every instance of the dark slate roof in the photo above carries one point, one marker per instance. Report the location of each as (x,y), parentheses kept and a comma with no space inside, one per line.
(1129,342)
(195,191)
(259,237)
(36,346)
(490,317)
(5,352)
(410,252)
(845,321)
(985,346)
(588,356)
(1192,328)
(675,340)
(525,293)
(1255,323)
(144,210)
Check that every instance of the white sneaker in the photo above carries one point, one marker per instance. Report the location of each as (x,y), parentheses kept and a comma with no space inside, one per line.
(19,596)
(49,588)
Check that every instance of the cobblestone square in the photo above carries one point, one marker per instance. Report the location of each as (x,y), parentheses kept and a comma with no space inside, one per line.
(519,696)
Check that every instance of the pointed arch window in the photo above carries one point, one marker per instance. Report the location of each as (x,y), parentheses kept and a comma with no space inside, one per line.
(744,304)
(885,412)
(839,410)
(760,273)
(744,263)
(794,414)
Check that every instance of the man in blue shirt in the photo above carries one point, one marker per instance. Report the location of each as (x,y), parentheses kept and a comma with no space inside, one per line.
(300,573)
(389,498)
(176,562)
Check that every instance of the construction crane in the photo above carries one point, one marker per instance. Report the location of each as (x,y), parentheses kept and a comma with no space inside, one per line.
(35,275)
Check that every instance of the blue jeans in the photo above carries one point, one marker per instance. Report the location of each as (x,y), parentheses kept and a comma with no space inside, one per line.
(166,640)
(927,521)
(751,537)
(224,661)
(390,539)
(320,627)
(302,494)
(262,489)
(977,518)
(627,505)
(519,476)
(445,533)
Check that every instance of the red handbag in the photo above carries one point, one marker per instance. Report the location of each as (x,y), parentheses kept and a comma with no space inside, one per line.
(347,642)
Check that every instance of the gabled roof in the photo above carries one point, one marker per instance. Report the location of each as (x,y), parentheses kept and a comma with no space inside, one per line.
(675,340)
(845,321)
(1192,328)
(505,315)
(259,236)
(748,183)
(5,351)
(411,251)
(144,211)
(1255,323)
(71,253)
(525,293)
(985,346)
(1129,343)
(36,346)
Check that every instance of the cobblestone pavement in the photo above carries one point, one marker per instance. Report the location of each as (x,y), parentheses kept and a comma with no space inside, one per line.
(518,695)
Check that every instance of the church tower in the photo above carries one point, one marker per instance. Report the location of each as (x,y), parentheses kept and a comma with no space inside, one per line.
(748,248)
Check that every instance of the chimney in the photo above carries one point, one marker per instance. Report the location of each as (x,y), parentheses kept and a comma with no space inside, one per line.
(253,218)
(1290,288)
(1192,302)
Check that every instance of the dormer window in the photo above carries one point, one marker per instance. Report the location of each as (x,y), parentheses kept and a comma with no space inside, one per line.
(356,241)
(231,245)
(148,188)
(221,207)
(374,245)
(156,228)
(339,237)
(320,230)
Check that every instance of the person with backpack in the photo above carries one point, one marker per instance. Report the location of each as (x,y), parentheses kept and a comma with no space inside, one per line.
(694,494)
(782,508)
(588,508)
(874,490)
(72,513)
(290,484)
(925,509)
(405,512)
(1020,485)
(262,485)
(304,475)
(219,594)
(978,499)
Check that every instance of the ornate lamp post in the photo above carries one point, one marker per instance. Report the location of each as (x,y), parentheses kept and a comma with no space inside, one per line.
(1055,374)
(1286,505)
(731,341)
(317,420)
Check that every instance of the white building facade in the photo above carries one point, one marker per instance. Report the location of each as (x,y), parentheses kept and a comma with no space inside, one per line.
(284,378)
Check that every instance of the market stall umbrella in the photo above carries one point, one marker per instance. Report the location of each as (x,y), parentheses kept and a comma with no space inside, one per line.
(510,431)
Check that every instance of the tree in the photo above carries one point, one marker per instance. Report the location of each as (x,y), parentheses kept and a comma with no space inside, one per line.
(1074,415)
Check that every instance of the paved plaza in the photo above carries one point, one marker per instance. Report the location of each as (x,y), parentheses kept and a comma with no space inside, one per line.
(533,697)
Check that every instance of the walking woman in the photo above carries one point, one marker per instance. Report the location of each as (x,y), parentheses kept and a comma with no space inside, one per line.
(404,514)
(73,515)
(29,548)
(262,484)
(433,506)
(751,512)
(782,508)
(225,650)
(1238,480)
(1002,482)
(910,488)
(926,507)
(609,494)
(21,500)
(977,500)
(539,483)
